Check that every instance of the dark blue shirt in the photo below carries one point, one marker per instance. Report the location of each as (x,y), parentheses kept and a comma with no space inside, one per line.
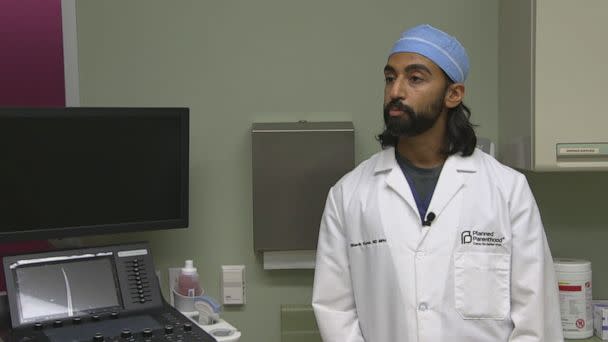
(422,182)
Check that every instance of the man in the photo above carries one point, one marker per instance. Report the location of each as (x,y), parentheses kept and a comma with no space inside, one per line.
(431,239)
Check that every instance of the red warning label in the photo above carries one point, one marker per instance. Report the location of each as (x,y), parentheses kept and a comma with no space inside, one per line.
(570,288)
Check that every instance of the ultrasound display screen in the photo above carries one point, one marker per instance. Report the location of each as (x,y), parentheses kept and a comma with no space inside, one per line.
(78,171)
(66,289)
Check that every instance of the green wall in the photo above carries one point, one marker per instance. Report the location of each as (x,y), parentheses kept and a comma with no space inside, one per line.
(238,62)
(575,217)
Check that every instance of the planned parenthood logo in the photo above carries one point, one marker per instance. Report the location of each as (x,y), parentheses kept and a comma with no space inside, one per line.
(478,238)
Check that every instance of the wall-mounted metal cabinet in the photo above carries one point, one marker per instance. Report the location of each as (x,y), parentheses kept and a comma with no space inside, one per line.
(294,166)
(552,81)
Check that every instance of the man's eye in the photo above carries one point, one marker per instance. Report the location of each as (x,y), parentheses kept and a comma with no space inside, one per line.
(389,79)
(415,79)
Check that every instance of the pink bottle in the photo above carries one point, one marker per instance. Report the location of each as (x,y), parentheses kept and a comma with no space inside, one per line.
(188,283)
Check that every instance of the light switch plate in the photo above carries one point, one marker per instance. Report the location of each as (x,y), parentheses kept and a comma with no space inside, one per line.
(233,284)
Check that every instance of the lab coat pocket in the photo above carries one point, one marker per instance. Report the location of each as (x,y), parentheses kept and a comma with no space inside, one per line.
(481,285)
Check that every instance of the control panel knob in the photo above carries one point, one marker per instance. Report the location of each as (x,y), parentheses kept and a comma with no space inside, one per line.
(95,317)
(77,320)
(147,333)
(126,333)
(98,337)
(114,315)
(38,326)
(187,327)
(57,324)
(168,329)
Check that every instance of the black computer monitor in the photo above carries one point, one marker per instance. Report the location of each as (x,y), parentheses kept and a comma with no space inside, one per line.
(67,172)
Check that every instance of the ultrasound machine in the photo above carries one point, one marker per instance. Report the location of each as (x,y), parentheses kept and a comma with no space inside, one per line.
(98,294)
(71,172)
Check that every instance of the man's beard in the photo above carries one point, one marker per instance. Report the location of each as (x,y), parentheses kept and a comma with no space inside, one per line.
(411,123)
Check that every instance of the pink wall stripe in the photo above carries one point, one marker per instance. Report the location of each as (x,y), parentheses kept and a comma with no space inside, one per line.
(31,53)
(31,70)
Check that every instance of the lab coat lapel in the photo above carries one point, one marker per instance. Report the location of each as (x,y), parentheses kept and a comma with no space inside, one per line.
(452,179)
(395,178)
(397,217)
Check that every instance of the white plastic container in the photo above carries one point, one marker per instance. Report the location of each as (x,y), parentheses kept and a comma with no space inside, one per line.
(574,280)
(185,287)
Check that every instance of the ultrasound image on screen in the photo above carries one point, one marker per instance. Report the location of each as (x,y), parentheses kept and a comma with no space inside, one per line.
(65,289)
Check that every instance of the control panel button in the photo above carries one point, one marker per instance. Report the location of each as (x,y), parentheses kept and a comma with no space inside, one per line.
(98,337)
(126,333)
(114,315)
(147,333)
(57,324)
(38,326)
(77,320)
(168,329)
(96,317)
(187,327)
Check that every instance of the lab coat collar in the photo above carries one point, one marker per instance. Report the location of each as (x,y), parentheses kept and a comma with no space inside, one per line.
(395,179)
(453,175)
(388,162)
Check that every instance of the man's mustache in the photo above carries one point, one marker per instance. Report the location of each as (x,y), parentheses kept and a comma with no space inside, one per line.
(398,105)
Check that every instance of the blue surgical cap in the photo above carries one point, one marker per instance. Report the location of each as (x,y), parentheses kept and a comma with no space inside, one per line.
(438,46)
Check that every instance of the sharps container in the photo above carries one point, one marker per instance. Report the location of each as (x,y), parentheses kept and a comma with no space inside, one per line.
(574,281)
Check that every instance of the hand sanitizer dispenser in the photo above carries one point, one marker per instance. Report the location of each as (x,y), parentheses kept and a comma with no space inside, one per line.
(188,282)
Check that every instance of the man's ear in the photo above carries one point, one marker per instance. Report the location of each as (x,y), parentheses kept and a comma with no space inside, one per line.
(454,95)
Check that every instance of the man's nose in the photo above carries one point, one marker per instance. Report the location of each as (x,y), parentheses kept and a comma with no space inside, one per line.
(397,90)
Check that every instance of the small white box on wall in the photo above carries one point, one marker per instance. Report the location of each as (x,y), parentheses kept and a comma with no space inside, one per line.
(233,285)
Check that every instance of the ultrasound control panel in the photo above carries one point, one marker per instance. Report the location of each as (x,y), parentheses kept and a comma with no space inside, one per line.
(99,294)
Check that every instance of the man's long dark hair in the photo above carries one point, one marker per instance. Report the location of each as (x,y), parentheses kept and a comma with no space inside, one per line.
(460,135)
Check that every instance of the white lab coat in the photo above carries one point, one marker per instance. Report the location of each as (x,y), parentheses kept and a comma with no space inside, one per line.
(482,272)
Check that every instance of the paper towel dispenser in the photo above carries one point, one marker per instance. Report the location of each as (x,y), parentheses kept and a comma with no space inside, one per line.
(293,167)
